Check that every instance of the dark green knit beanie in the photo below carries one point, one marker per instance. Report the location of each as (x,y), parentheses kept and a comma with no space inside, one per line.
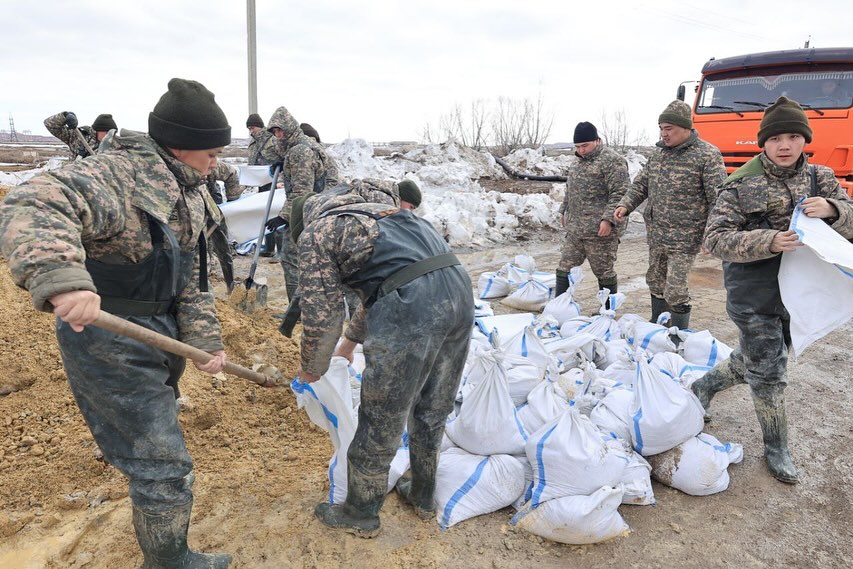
(187,118)
(784,116)
(677,113)
(297,208)
(410,192)
(255,120)
(104,123)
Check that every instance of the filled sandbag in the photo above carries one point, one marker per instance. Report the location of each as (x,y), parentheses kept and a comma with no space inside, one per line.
(469,485)
(698,466)
(493,285)
(544,402)
(701,348)
(530,295)
(613,413)
(604,325)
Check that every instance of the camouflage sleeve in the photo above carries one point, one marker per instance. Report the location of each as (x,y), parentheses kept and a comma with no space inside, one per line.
(43,223)
(837,197)
(269,151)
(198,325)
(55,125)
(618,183)
(357,328)
(231,179)
(725,236)
(713,176)
(565,203)
(299,169)
(638,191)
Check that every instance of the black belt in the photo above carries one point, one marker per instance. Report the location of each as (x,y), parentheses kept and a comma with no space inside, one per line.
(129,307)
(417,269)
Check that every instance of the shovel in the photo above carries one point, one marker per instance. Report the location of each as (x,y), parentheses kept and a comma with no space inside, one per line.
(248,294)
(128,329)
(82,140)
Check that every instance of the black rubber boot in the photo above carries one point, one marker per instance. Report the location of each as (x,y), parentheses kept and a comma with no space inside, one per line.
(279,244)
(359,515)
(680,316)
(419,488)
(562,283)
(163,539)
(770,409)
(613,287)
(659,306)
(268,247)
(723,376)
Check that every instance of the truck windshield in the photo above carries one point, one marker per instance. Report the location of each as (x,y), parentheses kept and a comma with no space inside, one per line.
(819,87)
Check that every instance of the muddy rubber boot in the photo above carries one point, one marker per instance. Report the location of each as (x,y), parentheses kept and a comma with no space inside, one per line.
(659,306)
(770,409)
(613,287)
(562,283)
(359,515)
(680,316)
(268,247)
(279,245)
(721,377)
(418,490)
(163,540)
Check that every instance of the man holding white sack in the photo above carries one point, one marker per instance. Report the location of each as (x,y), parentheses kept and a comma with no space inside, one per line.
(414,322)
(748,229)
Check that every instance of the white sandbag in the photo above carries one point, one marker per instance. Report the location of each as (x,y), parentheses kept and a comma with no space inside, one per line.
(487,423)
(643,335)
(245,216)
(698,466)
(507,325)
(569,459)
(616,351)
(255,176)
(524,262)
(493,285)
(546,328)
(528,345)
(562,307)
(604,325)
(674,366)
(337,473)
(701,348)
(576,520)
(548,279)
(664,414)
(637,478)
(531,295)
(482,308)
(523,375)
(576,350)
(528,482)
(468,485)
(613,413)
(544,402)
(816,281)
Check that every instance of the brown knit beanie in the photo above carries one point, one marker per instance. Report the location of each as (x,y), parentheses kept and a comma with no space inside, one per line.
(784,116)
(677,113)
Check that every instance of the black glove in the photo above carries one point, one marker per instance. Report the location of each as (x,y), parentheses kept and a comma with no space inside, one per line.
(275,166)
(275,222)
(71,120)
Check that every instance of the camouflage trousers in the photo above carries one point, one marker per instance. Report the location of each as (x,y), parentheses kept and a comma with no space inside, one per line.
(414,355)
(761,358)
(289,264)
(601,252)
(123,389)
(667,274)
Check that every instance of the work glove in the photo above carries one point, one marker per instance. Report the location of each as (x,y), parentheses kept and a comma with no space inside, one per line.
(275,222)
(71,120)
(275,166)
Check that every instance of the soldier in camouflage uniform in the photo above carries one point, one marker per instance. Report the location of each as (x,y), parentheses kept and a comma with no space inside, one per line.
(748,229)
(120,231)
(63,126)
(217,229)
(680,182)
(593,190)
(262,151)
(415,324)
(305,169)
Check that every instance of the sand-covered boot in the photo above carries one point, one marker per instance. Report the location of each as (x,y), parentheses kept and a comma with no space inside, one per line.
(770,409)
(162,537)
(359,514)
(419,488)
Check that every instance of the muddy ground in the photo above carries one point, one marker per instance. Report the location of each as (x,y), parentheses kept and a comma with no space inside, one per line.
(261,466)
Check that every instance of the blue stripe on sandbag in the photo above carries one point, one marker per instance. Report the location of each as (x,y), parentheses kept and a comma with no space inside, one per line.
(540,468)
(648,338)
(637,434)
(712,357)
(463,490)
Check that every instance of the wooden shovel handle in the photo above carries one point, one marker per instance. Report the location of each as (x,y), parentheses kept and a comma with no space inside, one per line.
(123,327)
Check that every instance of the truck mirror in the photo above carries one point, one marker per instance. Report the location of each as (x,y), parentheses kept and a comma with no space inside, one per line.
(679,94)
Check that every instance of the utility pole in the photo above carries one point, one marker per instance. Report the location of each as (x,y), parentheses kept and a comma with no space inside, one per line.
(13,136)
(253,56)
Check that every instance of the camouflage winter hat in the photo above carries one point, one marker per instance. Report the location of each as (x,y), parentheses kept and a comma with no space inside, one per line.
(410,192)
(282,119)
(784,116)
(104,123)
(187,118)
(677,113)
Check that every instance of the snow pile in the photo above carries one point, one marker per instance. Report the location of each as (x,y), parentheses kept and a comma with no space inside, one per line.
(534,161)
(18,178)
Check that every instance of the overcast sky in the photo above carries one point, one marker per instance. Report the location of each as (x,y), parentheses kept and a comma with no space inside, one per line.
(381,70)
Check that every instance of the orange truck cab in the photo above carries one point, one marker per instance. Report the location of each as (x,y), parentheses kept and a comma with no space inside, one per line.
(733,93)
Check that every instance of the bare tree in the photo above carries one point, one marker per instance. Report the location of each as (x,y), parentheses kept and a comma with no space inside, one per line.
(538,124)
(616,133)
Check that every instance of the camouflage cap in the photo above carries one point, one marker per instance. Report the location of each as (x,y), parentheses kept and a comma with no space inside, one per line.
(784,116)
(677,113)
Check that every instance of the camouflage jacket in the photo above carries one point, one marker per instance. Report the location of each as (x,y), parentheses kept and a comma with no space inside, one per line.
(680,184)
(307,168)
(228,175)
(97,208)
(262,149)
(757,201)
(331,249)
(593,190)
(55,125)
